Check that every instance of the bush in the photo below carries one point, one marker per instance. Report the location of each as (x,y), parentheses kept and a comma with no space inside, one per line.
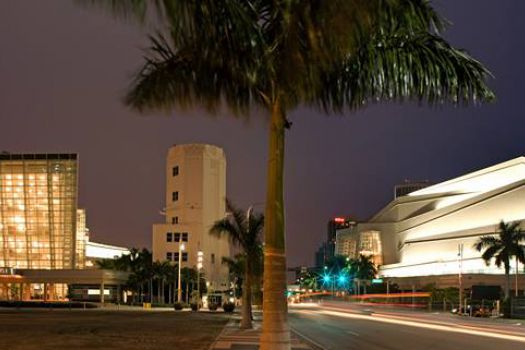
(178,306)
(228,307)
(194,307)
(48,304)
(212,307)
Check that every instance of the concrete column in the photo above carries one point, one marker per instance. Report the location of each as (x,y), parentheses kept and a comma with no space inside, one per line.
(102,293)
(45,291)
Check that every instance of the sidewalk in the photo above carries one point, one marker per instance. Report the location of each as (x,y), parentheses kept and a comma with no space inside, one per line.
(233,338)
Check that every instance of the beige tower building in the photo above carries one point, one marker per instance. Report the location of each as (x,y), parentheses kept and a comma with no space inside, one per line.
(195,199)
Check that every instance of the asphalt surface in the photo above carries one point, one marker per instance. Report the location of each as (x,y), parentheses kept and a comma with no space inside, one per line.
(342,327)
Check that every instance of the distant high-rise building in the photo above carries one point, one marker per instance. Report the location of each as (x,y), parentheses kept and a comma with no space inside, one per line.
(335,224)
(409,186)
(195,199)
(320,256)
(38,211)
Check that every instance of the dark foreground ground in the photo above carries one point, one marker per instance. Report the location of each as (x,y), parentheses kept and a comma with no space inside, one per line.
(96,329)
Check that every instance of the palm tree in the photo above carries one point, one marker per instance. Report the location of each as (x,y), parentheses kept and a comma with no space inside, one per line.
(243,230)
(277,55)
(236,271)
(506,244)
(363,269)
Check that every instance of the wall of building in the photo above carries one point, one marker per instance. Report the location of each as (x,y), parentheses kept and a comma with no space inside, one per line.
(200,184)
(38,203)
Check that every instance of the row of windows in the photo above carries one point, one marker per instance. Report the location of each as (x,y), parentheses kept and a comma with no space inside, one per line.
(174,256)
(176,236)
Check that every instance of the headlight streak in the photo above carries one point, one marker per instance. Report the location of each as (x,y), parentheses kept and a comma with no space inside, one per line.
(454,328)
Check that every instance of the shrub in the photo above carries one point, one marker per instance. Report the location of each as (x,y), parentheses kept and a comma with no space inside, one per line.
(212,307)
(228,307)
(194,307)
(178,306)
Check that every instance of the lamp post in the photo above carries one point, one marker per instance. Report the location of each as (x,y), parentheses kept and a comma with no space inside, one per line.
(179,289)
(200,258)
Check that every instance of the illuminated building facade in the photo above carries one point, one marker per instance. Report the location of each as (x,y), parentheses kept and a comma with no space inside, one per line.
(44,241)
(195,199)
(335,224)
(38,211)
(420,233)
(352,242)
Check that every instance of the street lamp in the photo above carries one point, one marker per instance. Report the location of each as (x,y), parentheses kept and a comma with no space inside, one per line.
(200,258)
(179,290)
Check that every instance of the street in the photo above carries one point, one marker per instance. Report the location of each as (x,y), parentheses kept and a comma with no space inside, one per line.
(343,326)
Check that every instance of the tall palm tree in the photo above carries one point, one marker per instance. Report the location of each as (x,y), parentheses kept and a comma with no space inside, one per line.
(277,55)
(507,243)
(244,230)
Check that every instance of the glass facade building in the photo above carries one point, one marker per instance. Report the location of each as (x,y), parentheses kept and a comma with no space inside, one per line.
(38,211)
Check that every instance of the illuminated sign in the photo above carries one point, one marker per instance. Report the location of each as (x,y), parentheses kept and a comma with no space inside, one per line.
(97,291)
(339,220)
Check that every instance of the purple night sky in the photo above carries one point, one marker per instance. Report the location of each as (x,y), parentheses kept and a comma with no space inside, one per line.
(64,69)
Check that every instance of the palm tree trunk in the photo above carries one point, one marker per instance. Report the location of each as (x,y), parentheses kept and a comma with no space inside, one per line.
(275,331)
(159,282)
(246,312)
(507,285)
(517,267)
(151,290)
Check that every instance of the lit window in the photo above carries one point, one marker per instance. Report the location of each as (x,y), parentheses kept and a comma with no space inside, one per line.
(175,170)
(175,196)
(169,237)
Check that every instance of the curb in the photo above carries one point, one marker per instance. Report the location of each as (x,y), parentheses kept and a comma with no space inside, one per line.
(305,339)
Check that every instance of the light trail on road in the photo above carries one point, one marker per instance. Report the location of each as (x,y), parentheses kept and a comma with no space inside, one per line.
(471,330)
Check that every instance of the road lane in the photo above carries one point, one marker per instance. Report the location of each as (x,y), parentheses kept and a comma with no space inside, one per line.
(333,330)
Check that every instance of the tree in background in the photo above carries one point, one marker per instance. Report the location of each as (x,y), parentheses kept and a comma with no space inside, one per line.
(507,243)
(244,230)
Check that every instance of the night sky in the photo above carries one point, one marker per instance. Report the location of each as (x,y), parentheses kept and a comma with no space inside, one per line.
(64,70)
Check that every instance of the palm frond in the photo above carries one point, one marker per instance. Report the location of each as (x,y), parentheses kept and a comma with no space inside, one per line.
(403,66)
(226,226)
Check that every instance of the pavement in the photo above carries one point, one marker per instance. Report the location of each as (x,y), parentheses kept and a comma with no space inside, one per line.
(234,338)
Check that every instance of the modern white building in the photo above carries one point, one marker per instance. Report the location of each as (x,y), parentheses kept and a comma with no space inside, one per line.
(195,199)
(422,233)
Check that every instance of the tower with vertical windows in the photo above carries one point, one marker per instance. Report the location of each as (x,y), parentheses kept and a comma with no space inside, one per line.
(195,199)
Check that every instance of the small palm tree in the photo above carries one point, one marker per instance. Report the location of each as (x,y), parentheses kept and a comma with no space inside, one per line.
(363,269)
(236,270)
(245,231)
(504,245)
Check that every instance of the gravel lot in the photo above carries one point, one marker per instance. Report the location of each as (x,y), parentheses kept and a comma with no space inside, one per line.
(98,329)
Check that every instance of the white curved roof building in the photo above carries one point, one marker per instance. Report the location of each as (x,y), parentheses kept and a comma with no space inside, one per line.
(420,233)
